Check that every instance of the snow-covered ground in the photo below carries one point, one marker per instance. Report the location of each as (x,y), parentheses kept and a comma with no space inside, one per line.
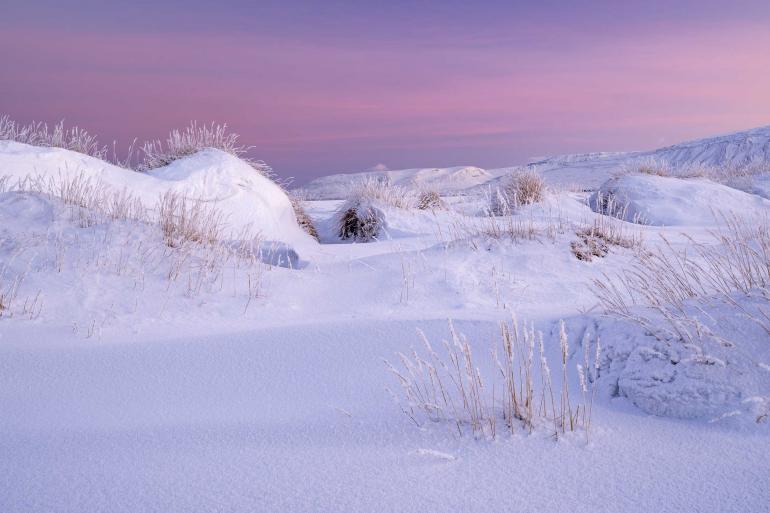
(585,171)
(141,376)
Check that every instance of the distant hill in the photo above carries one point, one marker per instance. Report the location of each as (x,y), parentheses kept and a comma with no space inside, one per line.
(585,170)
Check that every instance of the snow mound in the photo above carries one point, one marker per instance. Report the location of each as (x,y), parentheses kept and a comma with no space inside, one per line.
(665,201)
(247,199)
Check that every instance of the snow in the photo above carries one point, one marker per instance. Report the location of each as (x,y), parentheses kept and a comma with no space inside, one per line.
(444,180)
(667,201)
(139,377)
(247,199)
(583,171)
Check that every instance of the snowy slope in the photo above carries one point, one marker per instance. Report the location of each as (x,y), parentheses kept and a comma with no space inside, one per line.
(736,149)
(577,171)
(247,199)
(139,377)
(444,180)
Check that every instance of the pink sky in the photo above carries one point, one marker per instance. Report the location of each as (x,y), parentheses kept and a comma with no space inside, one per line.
(317,105)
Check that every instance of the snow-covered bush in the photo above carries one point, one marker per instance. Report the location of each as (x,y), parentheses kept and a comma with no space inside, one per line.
(451,387)
(429,200)
(520,188)
(38,134)
(596,239)
(193,139)
(359,221)
(361,217)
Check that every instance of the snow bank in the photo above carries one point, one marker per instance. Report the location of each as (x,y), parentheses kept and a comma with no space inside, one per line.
(247,199)
(665,201)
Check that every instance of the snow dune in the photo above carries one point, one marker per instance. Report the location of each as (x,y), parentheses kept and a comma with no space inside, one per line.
(247,199)
(666,201)
(135,376)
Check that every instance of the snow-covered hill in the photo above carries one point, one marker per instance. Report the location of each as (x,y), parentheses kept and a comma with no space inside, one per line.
(246,199)
(582,171)
(444,180)
(138,375)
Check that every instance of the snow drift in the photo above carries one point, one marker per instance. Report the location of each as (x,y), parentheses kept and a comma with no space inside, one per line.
(247,199)
(665,201)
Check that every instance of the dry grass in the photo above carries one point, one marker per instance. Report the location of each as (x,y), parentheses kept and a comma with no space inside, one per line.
(514,227)
(429,200)
(596,239)
(303,219)
(194,138)
(359,222)
(667,281)
(38,134)
(447,384)
(520,188)
(382,190)
(183,221)
(647,166)
(360,218)
(739,175)
(189,250)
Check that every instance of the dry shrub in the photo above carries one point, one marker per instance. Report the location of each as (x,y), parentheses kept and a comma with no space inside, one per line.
(381,190)
(360,218)
(38,134)
(193,139)
(449,386)
(303,219)
(521,188)
(430,200)
(359,222)
(595,240)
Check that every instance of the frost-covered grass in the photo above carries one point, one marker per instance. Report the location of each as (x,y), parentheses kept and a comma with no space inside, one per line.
(360,217)
(516,391)
(39,134)
(63,219)
(304,220)
(597,237)
(191,140)
(521,188)
(429,200)
(740,176)
(736,261)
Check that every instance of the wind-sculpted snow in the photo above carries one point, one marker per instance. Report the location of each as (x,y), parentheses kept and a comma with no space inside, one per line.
(737,149)
(248,200)
(666,201)
(142,374)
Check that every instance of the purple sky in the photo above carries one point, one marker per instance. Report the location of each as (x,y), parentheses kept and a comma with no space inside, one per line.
(325,87)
